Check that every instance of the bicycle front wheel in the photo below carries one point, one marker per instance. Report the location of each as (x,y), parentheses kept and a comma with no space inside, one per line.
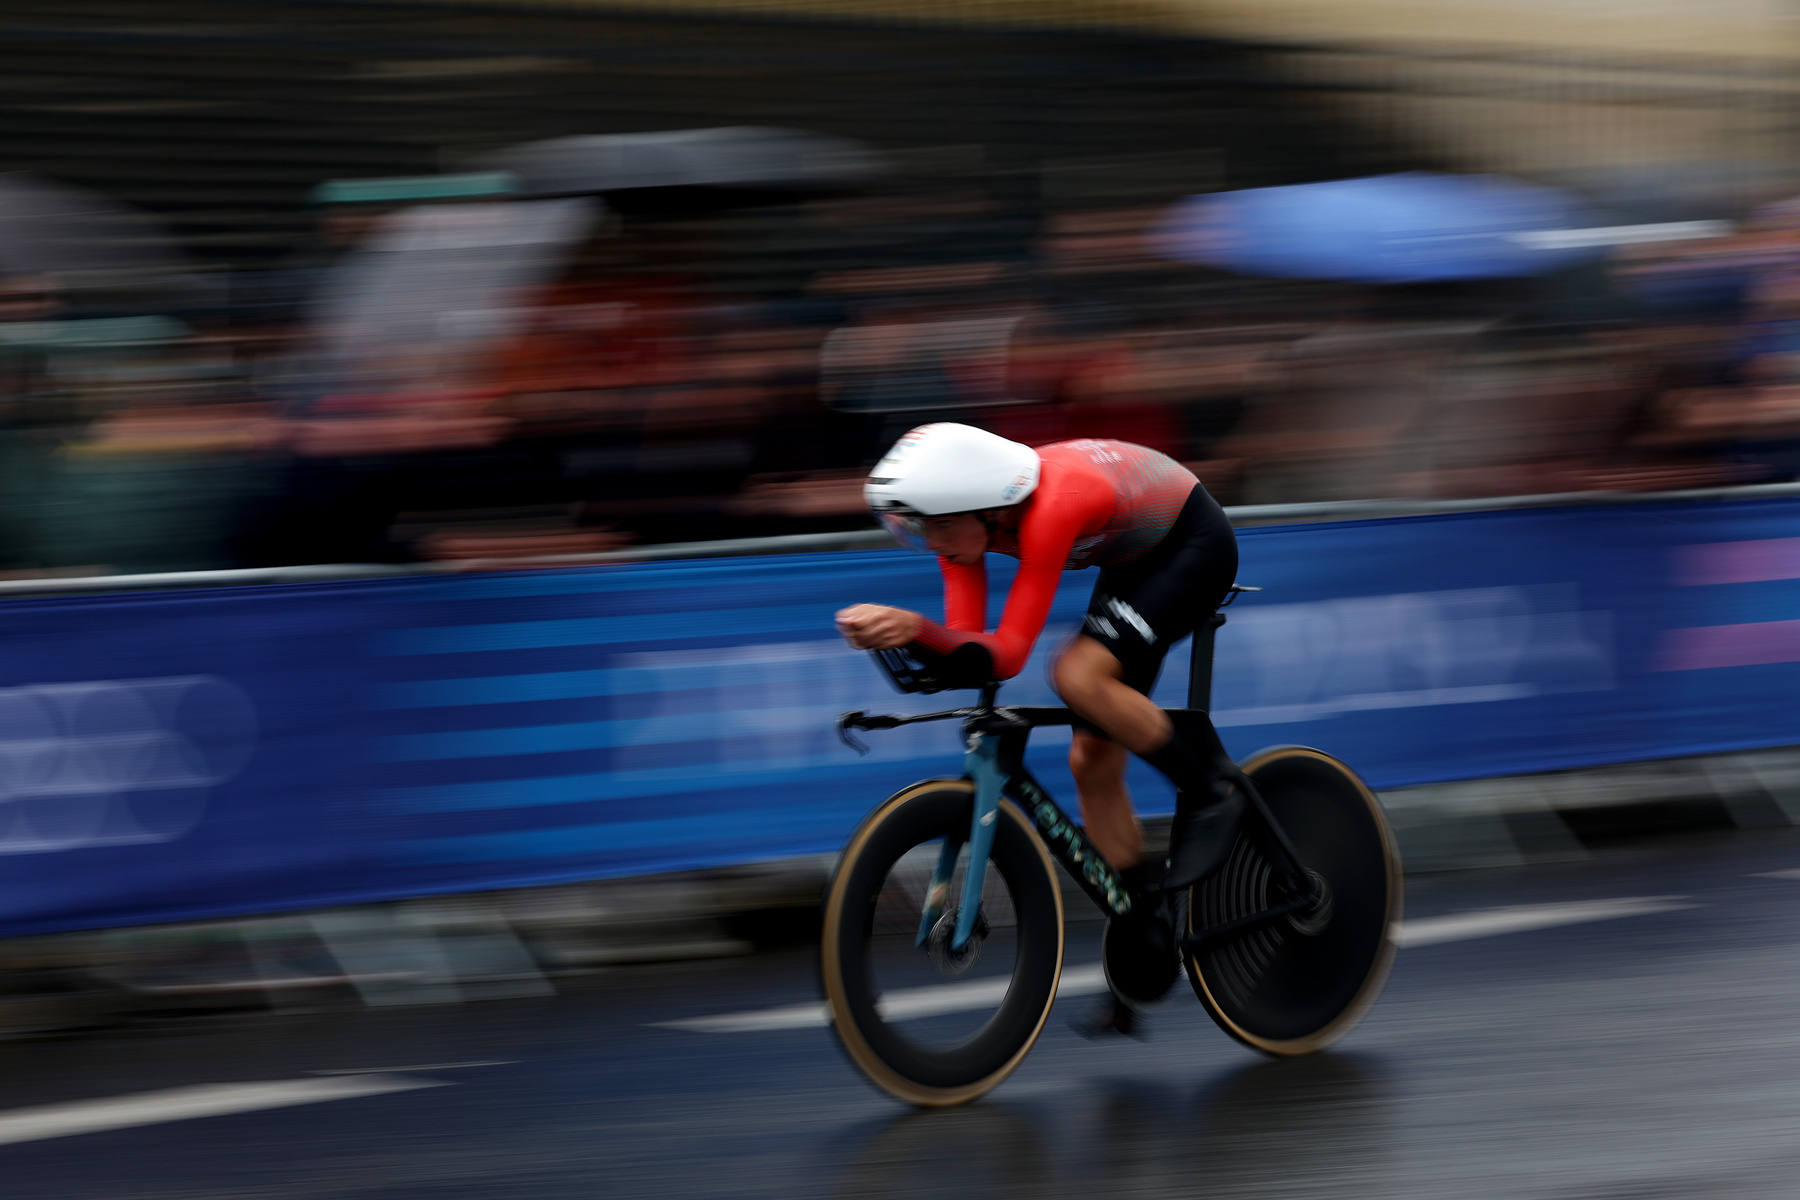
(928,1025)
(1299,984)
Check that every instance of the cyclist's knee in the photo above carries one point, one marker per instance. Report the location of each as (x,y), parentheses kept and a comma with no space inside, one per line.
(1096,762)
(1083,671)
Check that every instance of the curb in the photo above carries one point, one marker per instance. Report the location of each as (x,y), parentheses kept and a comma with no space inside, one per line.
(1558,817)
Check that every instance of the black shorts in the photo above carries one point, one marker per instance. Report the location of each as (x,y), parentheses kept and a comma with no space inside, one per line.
(1142,608)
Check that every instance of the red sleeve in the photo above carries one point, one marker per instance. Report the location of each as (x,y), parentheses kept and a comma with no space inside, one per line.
(1045,538)
(965,596)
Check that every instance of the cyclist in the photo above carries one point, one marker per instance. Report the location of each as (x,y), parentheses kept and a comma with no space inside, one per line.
(1167,559)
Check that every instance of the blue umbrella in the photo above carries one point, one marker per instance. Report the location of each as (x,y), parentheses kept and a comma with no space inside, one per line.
(1411,228)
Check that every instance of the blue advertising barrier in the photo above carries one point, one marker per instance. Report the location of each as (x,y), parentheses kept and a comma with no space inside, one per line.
(185,754)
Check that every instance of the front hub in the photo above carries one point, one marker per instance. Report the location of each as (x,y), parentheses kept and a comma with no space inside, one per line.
(938,945)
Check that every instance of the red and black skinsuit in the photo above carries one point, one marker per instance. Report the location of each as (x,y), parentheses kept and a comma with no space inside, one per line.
(1166,552)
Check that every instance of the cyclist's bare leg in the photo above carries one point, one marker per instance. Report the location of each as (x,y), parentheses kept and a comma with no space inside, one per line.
(1089,679)
(1092,682)
(1098,764)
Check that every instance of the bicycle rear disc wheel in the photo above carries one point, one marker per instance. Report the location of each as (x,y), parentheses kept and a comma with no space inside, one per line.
(1300,983)
(921,1023)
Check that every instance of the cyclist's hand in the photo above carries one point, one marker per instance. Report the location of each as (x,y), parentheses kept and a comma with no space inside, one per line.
(877,627)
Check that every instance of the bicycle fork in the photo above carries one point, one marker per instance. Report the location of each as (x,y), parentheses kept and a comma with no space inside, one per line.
(981,765)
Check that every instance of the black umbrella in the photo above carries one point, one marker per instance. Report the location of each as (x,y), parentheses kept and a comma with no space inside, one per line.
(48,227)
(688,168)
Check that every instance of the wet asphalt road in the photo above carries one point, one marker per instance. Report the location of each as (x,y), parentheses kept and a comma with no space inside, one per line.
(1643,1057)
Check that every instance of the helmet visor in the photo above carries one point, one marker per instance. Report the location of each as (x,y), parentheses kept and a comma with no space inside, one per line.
(908,530)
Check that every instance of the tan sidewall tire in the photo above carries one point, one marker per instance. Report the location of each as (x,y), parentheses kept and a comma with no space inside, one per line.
(1365,998)
(849,1036)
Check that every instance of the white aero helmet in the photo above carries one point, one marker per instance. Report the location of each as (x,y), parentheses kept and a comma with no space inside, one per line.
(940,469)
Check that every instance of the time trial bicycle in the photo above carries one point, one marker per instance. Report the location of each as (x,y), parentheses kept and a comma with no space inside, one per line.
(1287,944)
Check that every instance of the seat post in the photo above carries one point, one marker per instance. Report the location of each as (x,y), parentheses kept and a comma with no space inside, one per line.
(1200,668)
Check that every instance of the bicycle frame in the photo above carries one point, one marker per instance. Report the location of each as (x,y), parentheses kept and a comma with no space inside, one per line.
(994,762)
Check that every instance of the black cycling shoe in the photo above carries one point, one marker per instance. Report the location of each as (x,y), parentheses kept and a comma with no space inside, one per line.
(1202,836)
(1111,1017)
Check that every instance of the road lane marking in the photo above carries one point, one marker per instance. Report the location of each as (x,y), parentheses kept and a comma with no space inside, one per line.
(189,1103)
(455,1066)
(959,997)
(1491,922)
(909,1004)
(788,1016)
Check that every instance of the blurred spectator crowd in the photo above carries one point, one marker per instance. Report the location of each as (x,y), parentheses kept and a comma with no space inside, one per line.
(642,376)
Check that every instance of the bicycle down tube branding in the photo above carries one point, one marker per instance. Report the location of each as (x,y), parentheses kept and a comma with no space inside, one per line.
(1070,845)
